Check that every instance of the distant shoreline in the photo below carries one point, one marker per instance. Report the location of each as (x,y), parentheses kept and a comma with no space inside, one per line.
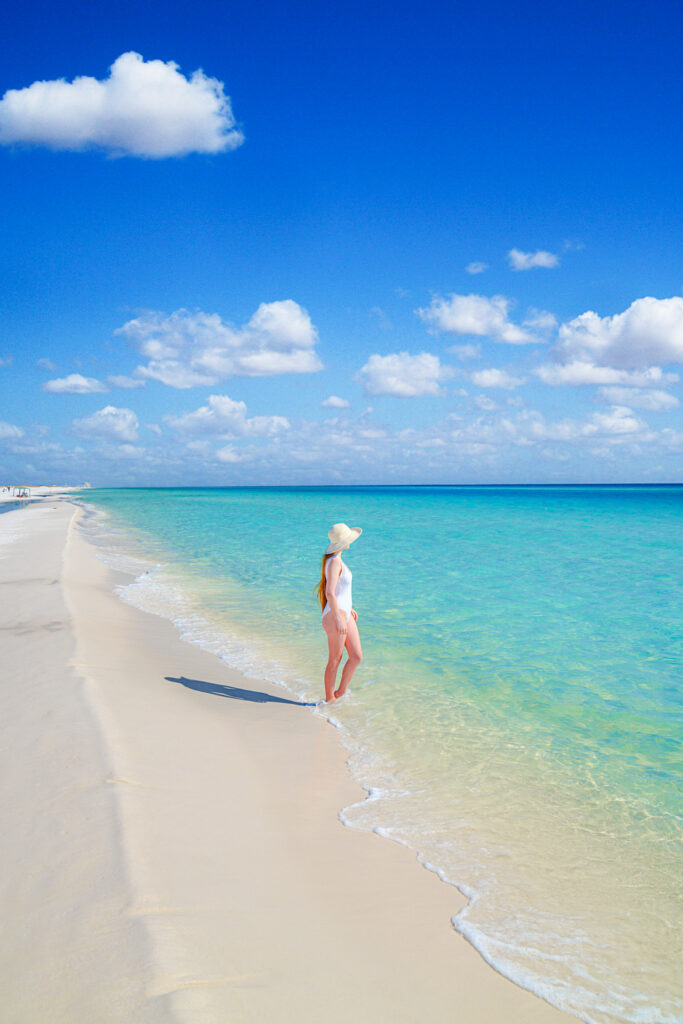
(351,487)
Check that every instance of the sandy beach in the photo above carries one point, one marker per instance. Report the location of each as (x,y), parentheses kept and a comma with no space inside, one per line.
(172,849)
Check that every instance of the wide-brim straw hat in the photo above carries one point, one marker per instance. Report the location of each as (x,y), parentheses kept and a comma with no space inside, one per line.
(340,535)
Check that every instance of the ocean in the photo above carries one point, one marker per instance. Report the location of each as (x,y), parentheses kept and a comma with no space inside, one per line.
(517,717)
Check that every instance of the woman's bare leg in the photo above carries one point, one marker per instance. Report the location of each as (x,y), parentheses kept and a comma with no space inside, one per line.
(355,656)
(335,642)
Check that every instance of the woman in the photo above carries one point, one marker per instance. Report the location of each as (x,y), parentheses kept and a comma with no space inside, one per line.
(339,618)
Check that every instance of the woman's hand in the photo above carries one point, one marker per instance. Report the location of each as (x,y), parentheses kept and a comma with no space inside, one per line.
(354,615)
(341,625)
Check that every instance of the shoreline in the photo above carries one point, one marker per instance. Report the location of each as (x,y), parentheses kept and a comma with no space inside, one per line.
(254,897)
(69,952)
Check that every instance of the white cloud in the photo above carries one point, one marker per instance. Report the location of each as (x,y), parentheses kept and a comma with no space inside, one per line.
(463,352)
(199,447)
(581,372)
(122,381)
(74,384)
(619,420)
(46,364)
(226,418)
(493,378)
(528,427)
(6,361)
(109,423)
(144,108)
(519,260)
(475,314)
(476,267)
(483,437)
(131,451)
(540,320)
(639,398)
(228,454)
(187,349)
(403,375)
(650,331)
(333,402)
(8,432)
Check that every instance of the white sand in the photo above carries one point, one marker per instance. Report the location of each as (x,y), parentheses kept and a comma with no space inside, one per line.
(173,849)
(37,493)
(69,950)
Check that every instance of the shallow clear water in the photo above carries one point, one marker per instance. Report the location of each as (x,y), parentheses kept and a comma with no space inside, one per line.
(517,717)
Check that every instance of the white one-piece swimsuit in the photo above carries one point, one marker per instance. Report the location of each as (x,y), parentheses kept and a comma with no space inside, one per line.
(343,591)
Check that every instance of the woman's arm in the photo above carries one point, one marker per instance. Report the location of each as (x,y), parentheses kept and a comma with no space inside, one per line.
(332,574)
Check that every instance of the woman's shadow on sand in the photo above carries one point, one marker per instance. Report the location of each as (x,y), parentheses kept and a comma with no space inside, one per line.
(236,692)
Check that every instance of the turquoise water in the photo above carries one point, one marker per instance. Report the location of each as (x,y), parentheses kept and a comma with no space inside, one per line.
(517,717)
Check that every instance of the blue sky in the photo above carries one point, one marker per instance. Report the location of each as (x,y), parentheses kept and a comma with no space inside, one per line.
(462,223)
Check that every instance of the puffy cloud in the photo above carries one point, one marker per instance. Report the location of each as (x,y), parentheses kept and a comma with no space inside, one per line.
(110,423)
(403,375)
(619,420)
(8,432)
(639,398)
(122,381)
(74,384)
(187,349)
(475,314)
(144,108)
(333,402)
(580,372)
(492,378)
(476,267)
(228,454)
(650,331)
(226,418)
(519,260)
(621,350)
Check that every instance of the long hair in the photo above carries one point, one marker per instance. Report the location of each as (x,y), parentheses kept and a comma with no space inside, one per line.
(319,591)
